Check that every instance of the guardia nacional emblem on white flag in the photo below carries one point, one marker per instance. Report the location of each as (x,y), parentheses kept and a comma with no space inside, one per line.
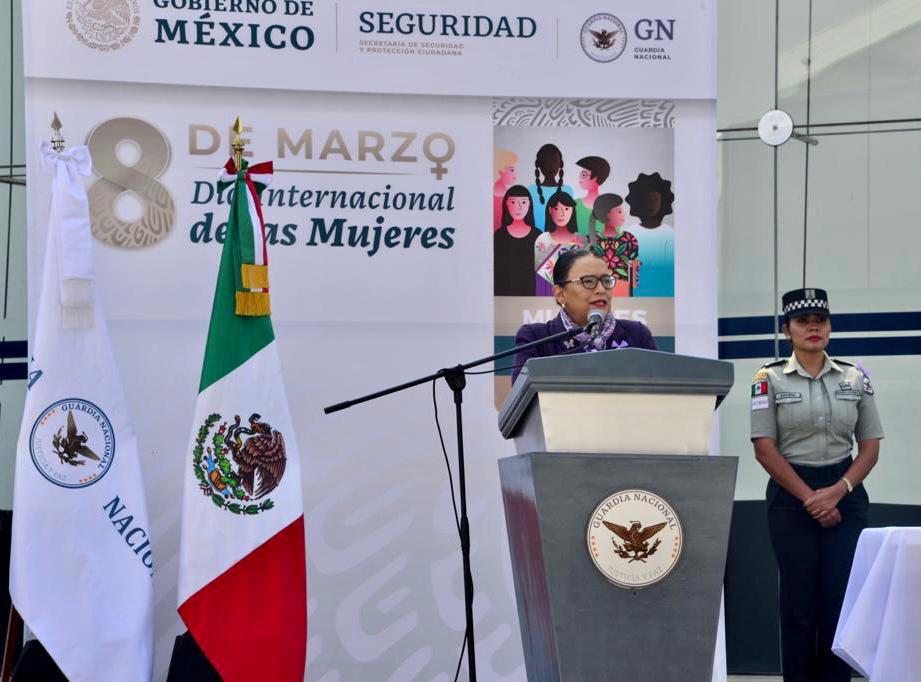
(63,452)
(81,563)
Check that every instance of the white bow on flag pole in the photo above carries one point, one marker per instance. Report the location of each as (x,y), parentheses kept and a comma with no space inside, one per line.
(81,568)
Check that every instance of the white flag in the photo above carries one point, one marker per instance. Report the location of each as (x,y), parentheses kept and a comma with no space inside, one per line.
(81,571)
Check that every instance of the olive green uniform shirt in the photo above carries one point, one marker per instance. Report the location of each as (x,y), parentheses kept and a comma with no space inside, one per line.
(814,421)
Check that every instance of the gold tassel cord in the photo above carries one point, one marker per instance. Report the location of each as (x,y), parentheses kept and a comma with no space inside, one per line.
(253,303)
(249,303)
(255,276)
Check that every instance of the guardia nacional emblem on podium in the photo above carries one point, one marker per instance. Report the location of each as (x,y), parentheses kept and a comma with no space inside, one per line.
(634,538)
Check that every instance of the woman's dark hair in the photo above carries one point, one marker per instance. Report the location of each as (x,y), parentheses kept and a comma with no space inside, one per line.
(645,184)
(602,206)
(542,165)
(566,200)
(517,191)
(565,262)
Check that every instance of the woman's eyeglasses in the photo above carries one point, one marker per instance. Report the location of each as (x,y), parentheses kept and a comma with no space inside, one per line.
(591,281)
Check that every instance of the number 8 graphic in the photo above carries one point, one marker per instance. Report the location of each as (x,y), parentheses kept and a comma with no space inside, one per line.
(116,178)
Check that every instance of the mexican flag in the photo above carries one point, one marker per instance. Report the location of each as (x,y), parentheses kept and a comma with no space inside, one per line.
(242,572)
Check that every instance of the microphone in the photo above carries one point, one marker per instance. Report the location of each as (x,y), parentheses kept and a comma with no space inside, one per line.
(595,322)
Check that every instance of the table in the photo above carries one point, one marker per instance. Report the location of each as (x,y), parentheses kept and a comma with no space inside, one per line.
(879,631)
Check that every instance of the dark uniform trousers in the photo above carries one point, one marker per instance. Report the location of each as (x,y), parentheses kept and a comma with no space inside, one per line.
(815,564)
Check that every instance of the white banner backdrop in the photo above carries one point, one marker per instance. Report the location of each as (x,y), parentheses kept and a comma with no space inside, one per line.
(381,264)
(349,319)
(654,48)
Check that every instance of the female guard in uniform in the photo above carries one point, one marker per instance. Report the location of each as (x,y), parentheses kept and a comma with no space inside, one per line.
(805,413)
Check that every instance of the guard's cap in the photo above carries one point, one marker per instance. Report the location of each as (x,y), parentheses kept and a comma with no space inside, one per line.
(805,302)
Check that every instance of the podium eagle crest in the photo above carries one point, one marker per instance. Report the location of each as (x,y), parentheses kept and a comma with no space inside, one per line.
(636,539)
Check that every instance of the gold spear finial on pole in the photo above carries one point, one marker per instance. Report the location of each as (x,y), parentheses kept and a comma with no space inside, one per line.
(237,144)
(57,140)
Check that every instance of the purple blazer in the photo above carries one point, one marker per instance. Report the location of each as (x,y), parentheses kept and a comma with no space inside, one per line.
(627,333)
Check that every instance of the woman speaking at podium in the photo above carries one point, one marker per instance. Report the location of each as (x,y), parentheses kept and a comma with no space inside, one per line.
(582,282)
(806,411)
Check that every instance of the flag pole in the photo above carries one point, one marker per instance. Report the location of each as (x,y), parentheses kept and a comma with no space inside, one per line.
(13,627)
(14,621)
(237,144)
(57,140)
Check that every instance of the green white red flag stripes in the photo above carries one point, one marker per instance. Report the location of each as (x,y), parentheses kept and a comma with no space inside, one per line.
(242,575)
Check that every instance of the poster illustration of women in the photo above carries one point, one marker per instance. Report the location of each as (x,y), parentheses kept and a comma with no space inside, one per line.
(577,176)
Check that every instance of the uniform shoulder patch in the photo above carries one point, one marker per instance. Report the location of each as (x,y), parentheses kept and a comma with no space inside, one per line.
(774,363)
(760,402)
(760,375)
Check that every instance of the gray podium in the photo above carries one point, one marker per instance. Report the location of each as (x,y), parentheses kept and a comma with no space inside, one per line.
(599,598)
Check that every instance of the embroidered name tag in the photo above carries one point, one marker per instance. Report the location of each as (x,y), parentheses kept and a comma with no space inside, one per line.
(788,397)
(849,394)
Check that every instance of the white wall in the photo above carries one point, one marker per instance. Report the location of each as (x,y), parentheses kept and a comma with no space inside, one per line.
(864,241)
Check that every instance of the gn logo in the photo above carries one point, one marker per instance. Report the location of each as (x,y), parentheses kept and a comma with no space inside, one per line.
(655,29)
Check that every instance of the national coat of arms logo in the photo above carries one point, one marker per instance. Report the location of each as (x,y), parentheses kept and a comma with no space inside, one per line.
(237,465)
(104,24)
(603,37)
(634,538)
(72,443)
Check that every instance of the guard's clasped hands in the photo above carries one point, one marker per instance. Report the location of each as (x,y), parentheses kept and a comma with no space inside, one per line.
(822,506)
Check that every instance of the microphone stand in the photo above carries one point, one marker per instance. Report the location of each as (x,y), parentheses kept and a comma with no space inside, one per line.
(456,379)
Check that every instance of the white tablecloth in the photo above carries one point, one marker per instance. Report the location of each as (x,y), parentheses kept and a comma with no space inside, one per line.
(879,631)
